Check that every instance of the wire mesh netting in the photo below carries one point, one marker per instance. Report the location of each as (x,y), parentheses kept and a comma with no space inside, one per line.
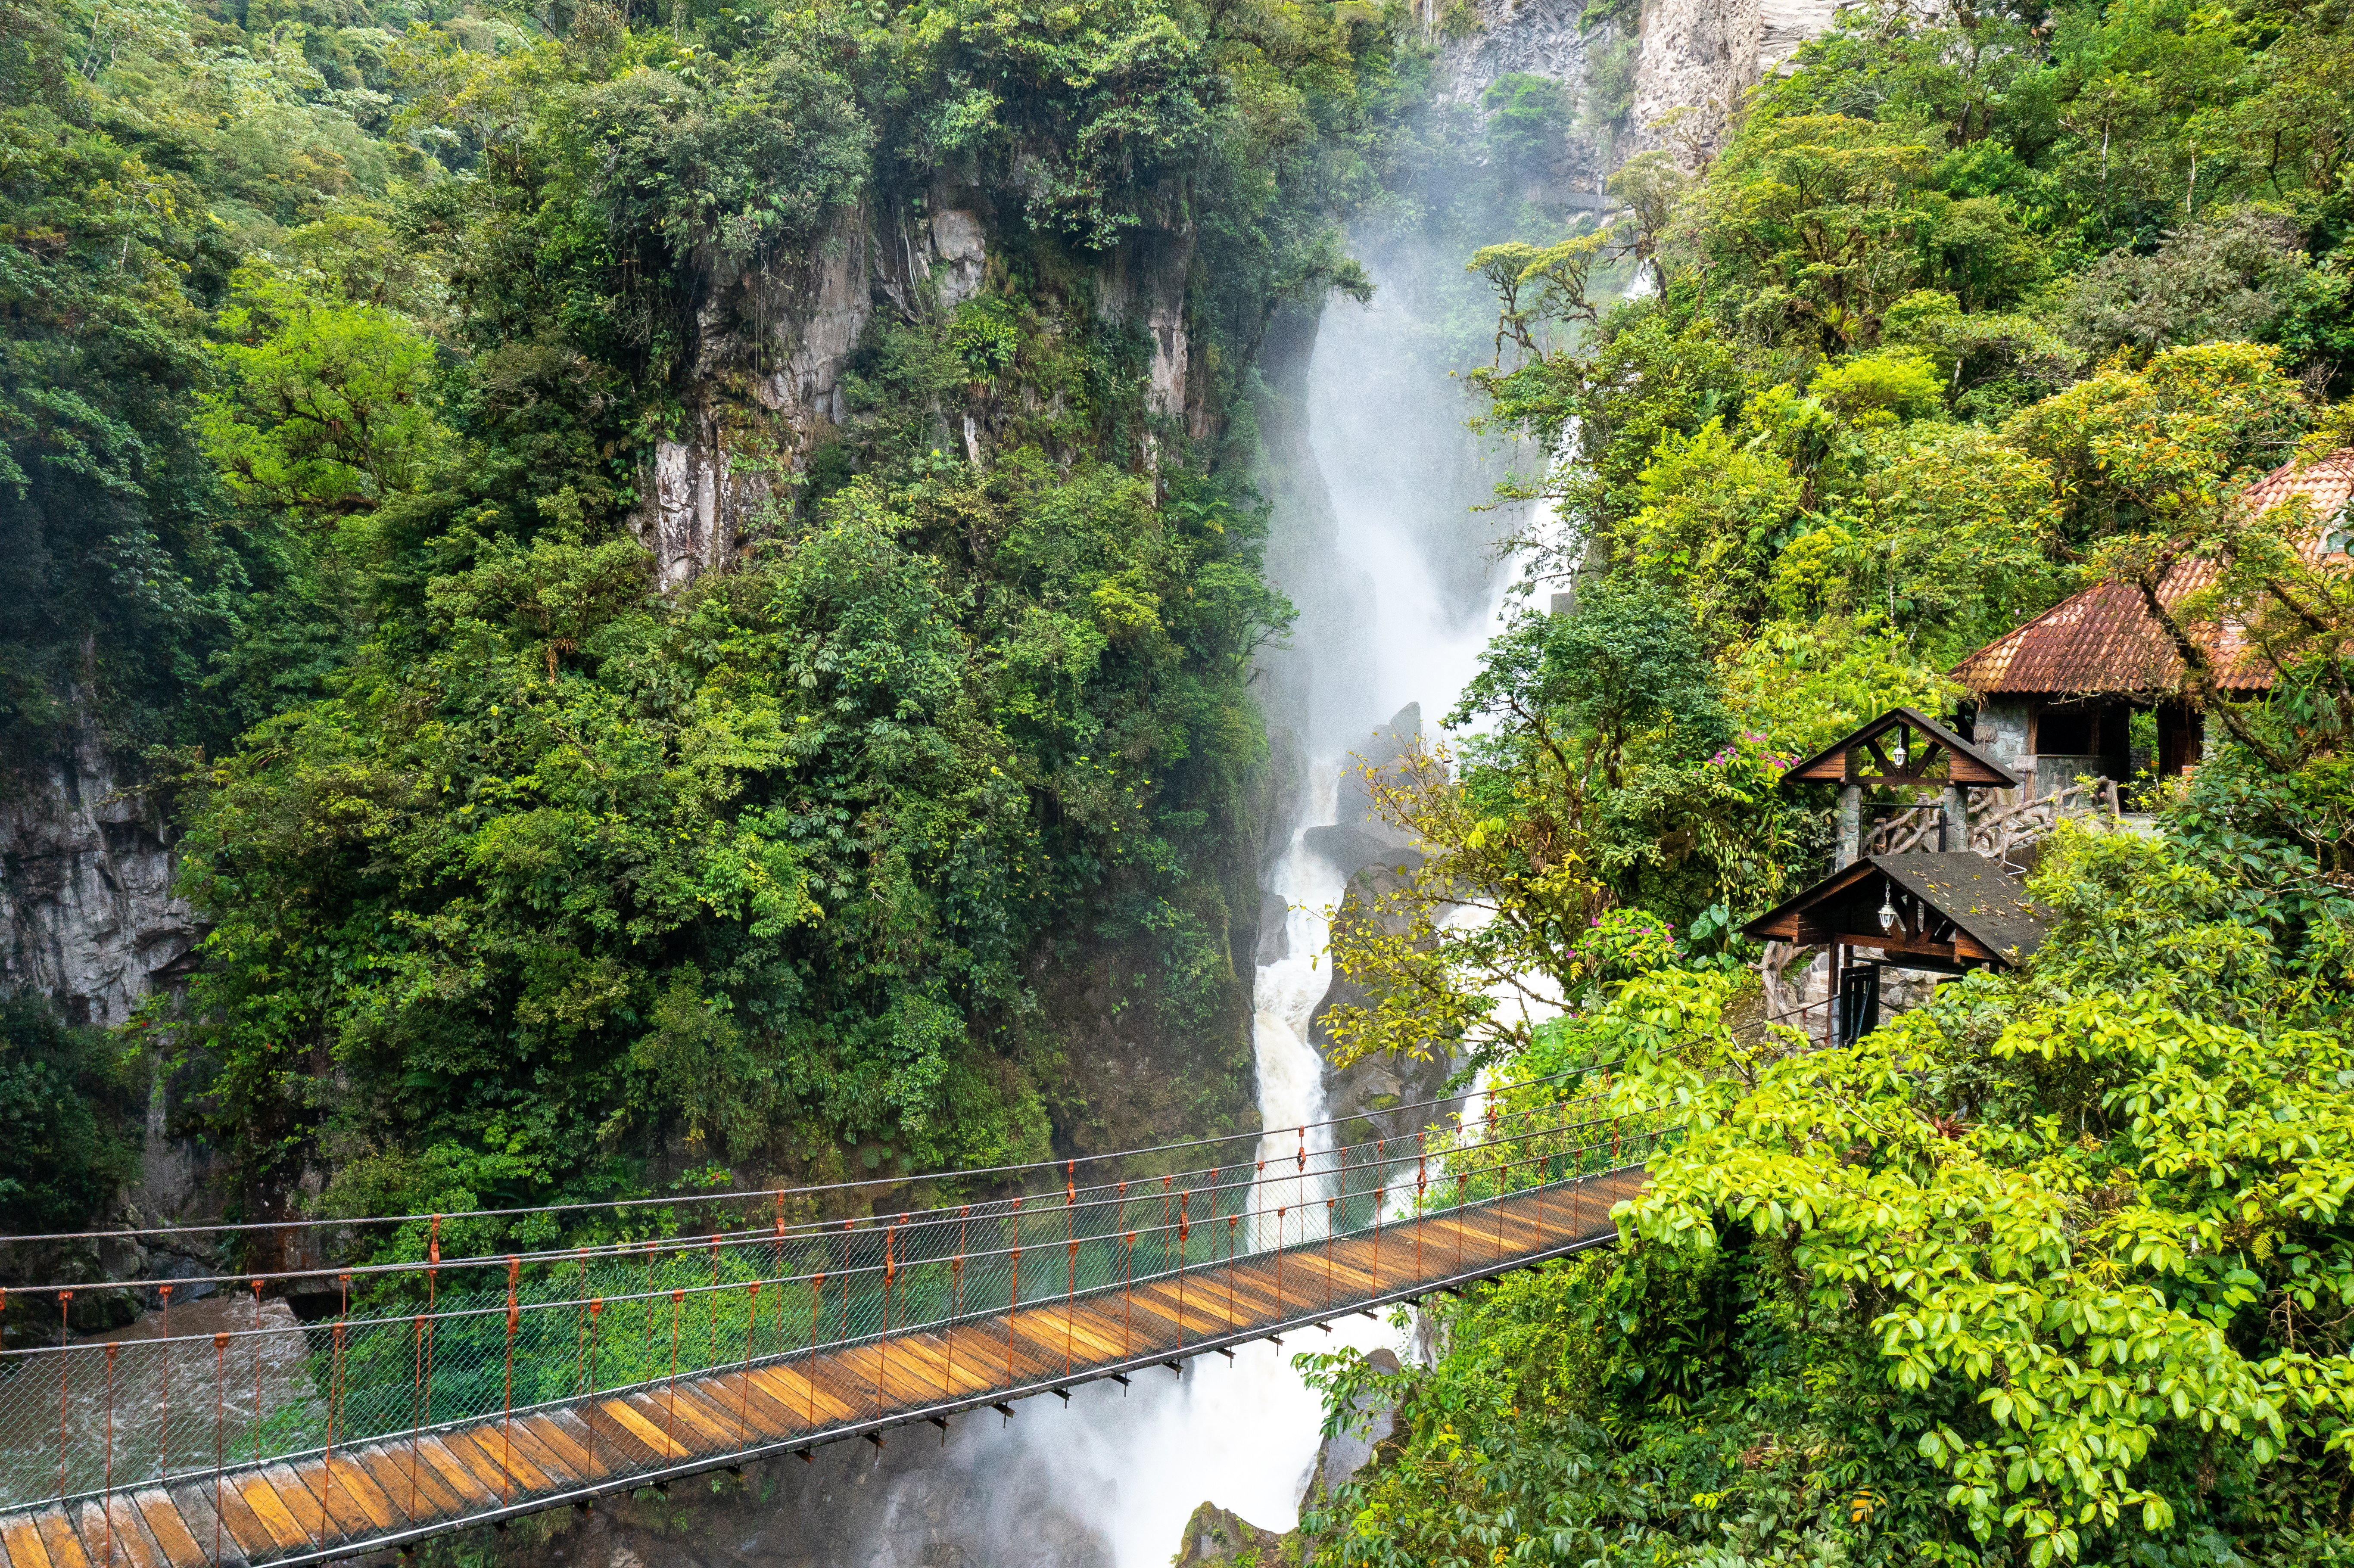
(419,1341)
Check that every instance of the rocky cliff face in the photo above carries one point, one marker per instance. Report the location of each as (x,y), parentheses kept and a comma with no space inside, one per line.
(1694,61)
(1698,58)
(87,915)
(1377,860)
(776,340)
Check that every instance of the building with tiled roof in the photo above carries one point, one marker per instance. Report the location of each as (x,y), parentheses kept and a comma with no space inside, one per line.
(2055,697)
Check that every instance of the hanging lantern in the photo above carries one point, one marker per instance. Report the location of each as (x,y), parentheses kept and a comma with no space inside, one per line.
(1888,912)
(1899,753)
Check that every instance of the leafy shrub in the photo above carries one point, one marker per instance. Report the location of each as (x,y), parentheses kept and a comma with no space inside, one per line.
(65,1146)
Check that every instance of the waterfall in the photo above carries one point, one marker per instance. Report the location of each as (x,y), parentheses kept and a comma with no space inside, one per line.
(1134,1464)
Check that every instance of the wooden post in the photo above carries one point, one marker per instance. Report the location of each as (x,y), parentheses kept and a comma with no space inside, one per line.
(1832,998)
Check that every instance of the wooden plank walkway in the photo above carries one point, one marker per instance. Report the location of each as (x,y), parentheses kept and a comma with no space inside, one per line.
(399,1488)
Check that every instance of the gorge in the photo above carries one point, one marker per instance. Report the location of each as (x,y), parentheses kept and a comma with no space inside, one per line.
(612,617)
(1373,537)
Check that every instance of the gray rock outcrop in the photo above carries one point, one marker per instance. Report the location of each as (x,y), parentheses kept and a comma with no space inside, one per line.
(86,914)
(1698,58)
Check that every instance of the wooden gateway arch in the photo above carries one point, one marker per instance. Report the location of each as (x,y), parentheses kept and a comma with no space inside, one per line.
(443,1383)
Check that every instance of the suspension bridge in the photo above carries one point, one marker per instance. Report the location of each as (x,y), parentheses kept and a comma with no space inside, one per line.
(458,1376)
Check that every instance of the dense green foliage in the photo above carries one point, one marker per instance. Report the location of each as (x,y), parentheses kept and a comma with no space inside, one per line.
(340,346)
(2054,1268)
(63,1144)
(1970,312)
(339,349)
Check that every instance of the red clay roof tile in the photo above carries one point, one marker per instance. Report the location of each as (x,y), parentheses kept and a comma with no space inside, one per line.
(2105,642)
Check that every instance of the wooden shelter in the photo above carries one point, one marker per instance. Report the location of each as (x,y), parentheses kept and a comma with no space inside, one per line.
(1947,912)
(1904,749)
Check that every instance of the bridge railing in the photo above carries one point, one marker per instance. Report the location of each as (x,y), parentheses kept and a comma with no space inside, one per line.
(422,1343)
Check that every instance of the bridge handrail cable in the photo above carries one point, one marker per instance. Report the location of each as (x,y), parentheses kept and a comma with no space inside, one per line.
(743,1194)
(902,1227)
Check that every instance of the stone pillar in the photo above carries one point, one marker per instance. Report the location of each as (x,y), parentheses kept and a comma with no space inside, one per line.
(1954,826)
(1851,825)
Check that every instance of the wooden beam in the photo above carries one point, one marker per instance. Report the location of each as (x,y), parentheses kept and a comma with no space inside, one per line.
(1888,944)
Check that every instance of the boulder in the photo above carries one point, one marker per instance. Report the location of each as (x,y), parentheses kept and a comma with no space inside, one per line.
(1223,1537)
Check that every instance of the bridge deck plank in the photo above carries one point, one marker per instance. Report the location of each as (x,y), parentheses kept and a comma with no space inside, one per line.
(417,1486)
(171,1532)
(477,1451)
(471,1490)
(940,1375)
(131,1526)
(713,1428)
(524,1434)
(223,1526)
(22,1537)
(766,1415)
(386,1494)
(343,1515)
(57,1536)
(808,1402)
(302,1501)
(351,1474)
(279,1531)
(725,1392)
(301,1495)
(826,1373)
(857,1370)
(614,1437)
(625,1414)
(733,1395)
(911,1378)
(560,1447)
(101,1538)
(529,1457)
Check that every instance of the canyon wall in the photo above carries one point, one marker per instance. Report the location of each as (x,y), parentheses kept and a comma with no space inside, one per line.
(86,914)
(1696,59)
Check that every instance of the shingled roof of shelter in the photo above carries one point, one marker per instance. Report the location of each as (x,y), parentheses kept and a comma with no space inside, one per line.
(2103,641)
(1969,889)
(1974,893)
